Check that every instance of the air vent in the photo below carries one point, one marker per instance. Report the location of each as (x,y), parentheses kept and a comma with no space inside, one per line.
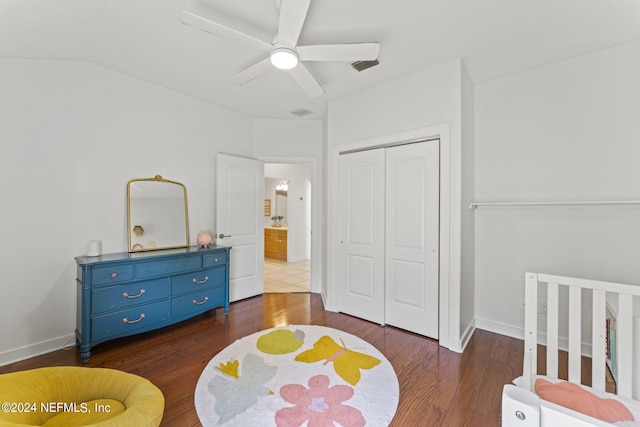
(301,112)
(363,65)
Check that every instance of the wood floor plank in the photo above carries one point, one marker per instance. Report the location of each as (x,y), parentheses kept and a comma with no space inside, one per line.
(438,387)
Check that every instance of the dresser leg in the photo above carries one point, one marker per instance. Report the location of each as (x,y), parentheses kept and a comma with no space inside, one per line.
(84,355)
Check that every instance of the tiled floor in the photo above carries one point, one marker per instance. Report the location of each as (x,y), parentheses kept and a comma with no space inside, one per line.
(283,277)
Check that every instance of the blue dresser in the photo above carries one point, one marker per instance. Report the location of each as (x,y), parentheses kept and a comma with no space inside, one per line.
(128,293)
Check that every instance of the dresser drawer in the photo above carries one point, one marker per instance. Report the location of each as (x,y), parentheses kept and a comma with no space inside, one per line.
(172,266)
(112,274)
(197,302)
(121,322)
(211,260)
(126,295)
(198,280)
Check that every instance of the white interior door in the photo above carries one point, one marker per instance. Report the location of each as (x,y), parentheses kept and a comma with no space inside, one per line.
(412,237)
(362,234)
(239,222)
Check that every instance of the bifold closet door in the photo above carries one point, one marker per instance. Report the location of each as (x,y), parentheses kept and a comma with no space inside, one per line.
(389,235)
(412,237)
(362,187)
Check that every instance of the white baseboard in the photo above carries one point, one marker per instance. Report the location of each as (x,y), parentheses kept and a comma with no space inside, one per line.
(459,345)
(328,304)
(516,332)
(32,350)
(298,259)
(468,333)
(500,328)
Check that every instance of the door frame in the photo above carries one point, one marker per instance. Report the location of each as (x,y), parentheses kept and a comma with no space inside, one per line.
(448,244)
(315,273)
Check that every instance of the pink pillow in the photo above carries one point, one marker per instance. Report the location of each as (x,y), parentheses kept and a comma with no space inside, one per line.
(574,397)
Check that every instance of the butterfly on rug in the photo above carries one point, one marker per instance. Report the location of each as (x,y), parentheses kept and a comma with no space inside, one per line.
(347,363)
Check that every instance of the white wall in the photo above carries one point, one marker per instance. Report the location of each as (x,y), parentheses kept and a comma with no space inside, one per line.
(292,138)
(564,132)
(71,136)
(427,98)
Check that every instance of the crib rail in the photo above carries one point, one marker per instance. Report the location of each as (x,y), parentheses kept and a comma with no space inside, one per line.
(625,323)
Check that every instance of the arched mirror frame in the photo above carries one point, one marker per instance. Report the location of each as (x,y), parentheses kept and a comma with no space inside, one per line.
(139,248)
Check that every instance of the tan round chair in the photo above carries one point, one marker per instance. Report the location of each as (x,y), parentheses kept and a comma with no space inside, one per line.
(77,396)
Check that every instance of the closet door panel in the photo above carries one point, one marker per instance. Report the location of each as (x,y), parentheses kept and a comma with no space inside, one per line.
(411,275)
(412,231)
(362,234)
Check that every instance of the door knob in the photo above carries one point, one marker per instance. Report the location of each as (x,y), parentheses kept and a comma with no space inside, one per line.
(222,236)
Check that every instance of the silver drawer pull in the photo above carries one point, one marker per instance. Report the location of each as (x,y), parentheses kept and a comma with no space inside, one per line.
(201,302)
(201,281)
(125,320)
(126,295)
(216,259)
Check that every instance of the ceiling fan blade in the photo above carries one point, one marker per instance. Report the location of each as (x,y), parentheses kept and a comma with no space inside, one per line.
(217,29)
(307,82)
(292,16)
(252,72)
(339,52)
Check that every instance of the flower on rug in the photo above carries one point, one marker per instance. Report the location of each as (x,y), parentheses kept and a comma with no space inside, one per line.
(347,363)
(319,405)
(234,395)
(230,368)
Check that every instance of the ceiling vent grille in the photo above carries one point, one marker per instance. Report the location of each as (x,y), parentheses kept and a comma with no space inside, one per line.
(301,112)
(363,65)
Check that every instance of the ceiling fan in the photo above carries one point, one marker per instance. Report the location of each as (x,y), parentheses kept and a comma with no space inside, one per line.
(284,53)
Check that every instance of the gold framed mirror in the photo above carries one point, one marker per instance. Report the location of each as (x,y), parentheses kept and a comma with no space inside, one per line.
(157,214)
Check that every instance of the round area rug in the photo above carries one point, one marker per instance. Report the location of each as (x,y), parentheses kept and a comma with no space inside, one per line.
(298,375)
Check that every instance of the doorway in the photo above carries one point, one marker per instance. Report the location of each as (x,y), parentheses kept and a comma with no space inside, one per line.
(287,228)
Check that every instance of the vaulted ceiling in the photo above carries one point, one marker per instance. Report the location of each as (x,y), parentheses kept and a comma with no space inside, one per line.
(145,39)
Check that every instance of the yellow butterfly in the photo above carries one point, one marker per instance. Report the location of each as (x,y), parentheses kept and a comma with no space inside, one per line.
(347,363)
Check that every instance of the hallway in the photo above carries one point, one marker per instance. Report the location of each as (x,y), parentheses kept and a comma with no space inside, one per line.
(284,277)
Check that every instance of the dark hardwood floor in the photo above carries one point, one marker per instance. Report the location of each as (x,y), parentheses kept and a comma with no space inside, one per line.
(438,387)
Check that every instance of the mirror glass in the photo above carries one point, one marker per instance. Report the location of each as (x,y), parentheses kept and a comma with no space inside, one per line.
(157,216)
(281,204)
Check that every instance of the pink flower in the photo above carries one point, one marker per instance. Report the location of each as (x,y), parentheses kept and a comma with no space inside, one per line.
(319,404)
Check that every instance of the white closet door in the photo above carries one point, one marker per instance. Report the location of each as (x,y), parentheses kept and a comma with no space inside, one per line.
(412,232)
(362,236)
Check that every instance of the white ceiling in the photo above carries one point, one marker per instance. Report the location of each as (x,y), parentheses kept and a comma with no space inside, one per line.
(145,39)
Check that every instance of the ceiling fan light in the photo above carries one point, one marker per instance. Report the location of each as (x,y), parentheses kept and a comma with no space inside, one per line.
(284,58)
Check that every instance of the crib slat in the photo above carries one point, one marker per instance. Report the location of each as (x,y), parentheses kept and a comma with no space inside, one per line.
(530,363)
(624,339)
(575,306)
(552,330)
(599,341)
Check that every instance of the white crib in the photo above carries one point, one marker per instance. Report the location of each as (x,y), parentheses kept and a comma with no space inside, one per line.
(520,405)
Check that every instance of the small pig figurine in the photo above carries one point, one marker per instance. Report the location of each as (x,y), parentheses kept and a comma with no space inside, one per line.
(203,239)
